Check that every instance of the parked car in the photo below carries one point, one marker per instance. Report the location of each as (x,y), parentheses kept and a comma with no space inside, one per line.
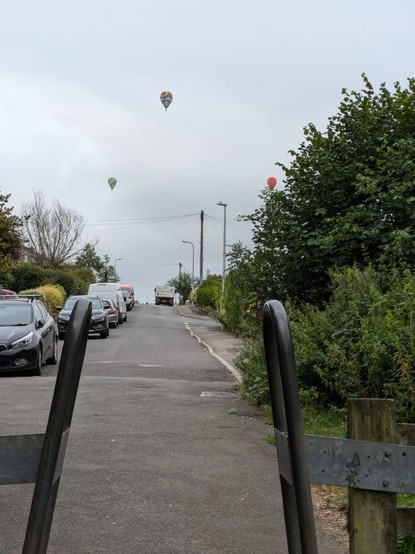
(127,299)
(99,319)
(6,292)
(130,290)
(112,310)
(113,291)
(28,337)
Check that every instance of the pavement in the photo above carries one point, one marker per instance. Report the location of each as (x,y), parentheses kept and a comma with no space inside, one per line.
(211,334)
(225,347)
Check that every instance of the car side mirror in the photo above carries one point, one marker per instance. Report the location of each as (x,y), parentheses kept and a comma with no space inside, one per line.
(41,322)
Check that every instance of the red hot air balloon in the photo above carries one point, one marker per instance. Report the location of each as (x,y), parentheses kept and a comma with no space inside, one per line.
(271,182)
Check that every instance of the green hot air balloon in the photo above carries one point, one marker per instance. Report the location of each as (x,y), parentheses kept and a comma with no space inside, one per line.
(112,181)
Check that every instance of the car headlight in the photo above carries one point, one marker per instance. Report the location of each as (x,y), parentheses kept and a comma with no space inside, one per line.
(97,317)
(24,341)
(64,317)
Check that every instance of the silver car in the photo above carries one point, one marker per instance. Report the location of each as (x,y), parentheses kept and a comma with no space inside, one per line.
(111,309)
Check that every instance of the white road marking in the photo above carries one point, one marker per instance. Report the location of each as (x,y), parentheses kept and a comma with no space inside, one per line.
(124,362)
(217,394)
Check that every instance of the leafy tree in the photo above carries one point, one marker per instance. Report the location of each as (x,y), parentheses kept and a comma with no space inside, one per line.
(89,259)
(348,198)
(10,241)
(107,273)
(51,233)
(10,226)
(182,284)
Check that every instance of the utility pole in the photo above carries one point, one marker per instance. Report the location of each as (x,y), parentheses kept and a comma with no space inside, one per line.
(202,216)
(180,268)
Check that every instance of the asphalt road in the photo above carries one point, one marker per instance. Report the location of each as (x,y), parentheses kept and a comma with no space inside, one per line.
(163,456)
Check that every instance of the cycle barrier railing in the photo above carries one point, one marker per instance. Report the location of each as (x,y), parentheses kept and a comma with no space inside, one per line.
(38,458)
(373,471)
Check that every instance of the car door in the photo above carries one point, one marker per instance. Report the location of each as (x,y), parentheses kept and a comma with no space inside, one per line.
(46,331)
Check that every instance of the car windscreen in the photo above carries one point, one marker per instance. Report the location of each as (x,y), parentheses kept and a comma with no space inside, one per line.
(70,303)
(96,303)
(15,315)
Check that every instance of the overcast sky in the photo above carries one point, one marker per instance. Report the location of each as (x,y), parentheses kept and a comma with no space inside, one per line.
(80,92)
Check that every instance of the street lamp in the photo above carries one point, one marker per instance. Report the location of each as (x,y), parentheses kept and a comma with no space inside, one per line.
(115,266)
(224,246)
(193,262)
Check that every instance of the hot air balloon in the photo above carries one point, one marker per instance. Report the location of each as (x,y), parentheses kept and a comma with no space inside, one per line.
(112,181)
(271,182)
(166,98)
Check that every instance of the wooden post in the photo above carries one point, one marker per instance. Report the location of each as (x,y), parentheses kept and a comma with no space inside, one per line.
(372,515)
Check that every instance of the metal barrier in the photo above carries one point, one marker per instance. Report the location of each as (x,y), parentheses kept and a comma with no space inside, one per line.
(380,467)
(39,458)
(292,461)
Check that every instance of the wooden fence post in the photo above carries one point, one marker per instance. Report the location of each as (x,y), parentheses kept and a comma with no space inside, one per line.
(372,515)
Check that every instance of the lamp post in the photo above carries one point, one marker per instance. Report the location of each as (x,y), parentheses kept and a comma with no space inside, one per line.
(193,262)
(115,265)
(224,246)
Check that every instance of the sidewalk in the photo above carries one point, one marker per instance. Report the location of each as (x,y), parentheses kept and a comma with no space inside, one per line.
(210,333)
(225,347)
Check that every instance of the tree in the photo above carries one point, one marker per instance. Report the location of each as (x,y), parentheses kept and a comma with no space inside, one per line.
(51,233)
(89,259)
(183,285)
(107,273)
(10,226)
(349,197)
(10,241)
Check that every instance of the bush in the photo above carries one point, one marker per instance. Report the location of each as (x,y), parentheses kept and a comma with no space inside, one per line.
(54,295)
(360,344)
(27,276)
(251,363)
(208,294)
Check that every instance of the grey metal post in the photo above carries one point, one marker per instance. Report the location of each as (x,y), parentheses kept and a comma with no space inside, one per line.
(282,375)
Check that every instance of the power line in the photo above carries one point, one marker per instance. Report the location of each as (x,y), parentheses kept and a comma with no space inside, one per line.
(148,220)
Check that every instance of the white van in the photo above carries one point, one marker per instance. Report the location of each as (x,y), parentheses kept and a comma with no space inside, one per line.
(111,291)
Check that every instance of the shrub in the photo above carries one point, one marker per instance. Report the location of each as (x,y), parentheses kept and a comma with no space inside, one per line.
(27,276)
(208,294)
(360,344)
(251,363)
(54,295)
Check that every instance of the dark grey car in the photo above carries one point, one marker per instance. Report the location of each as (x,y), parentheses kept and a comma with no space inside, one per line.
(28,337)
(99,320)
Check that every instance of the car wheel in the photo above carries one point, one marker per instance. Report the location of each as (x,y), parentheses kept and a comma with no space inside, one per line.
(38,370)
(54,358)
